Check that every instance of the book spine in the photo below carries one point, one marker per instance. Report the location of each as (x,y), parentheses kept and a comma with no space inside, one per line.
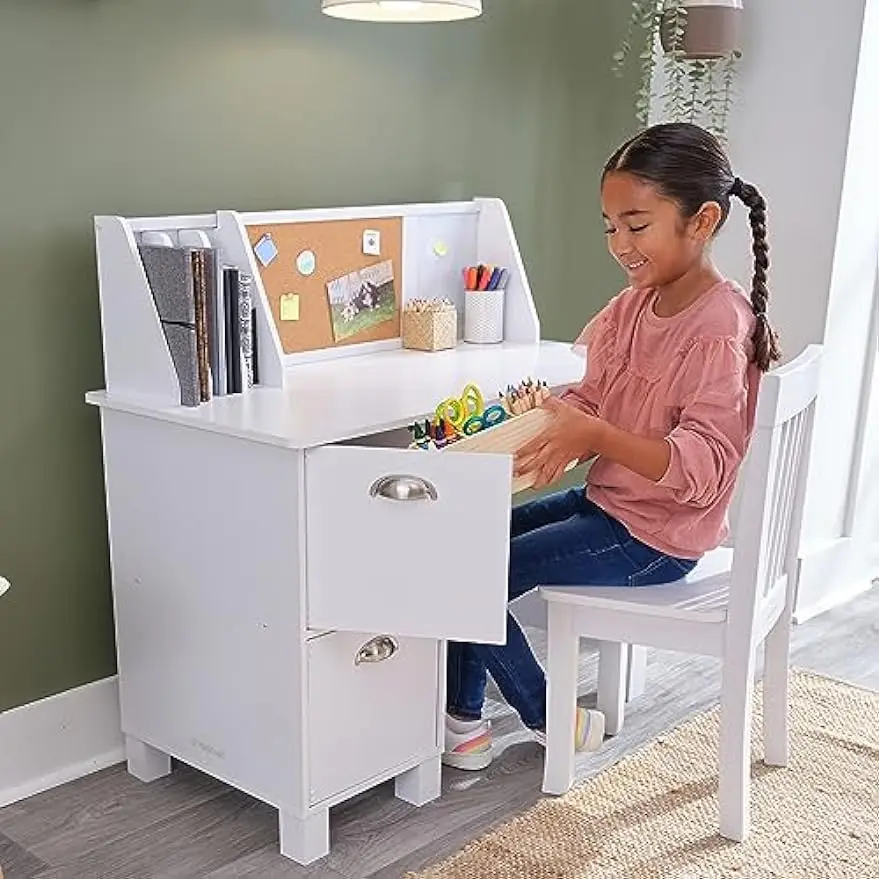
(199,283)
(214,337)
(231,300)
(220,298)
(245,319)
(255,342)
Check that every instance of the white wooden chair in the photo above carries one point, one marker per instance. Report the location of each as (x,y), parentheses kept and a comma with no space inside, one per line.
(727,607)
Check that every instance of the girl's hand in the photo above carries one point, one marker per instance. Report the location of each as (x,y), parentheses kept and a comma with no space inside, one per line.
(569,436)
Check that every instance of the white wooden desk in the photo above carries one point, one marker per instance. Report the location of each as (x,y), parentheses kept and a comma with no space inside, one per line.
(280,625)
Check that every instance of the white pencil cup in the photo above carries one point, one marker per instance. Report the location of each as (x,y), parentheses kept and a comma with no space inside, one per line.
(484,316)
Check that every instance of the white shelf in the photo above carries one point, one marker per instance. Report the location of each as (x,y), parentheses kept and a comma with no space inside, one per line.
(336,400)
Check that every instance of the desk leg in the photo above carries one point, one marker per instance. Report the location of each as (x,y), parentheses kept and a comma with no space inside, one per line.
(422,784)
(304,840)
(637,674)
(145,762)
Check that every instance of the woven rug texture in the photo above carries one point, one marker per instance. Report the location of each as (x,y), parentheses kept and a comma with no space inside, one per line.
(654,814)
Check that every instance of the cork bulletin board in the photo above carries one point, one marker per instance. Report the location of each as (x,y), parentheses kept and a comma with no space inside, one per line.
(331,283)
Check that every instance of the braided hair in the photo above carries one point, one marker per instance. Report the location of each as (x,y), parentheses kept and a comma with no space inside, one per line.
(687,164)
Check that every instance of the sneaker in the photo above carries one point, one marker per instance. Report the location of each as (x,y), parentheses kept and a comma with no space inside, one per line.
(589,733)
(468,744)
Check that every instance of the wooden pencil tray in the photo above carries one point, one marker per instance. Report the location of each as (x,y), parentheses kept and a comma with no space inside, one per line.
(506,438)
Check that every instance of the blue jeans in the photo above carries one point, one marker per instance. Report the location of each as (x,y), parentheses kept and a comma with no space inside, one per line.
(560,540)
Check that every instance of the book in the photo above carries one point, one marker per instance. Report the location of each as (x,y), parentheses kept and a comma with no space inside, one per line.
(231,306)
(215,337)
(254,341)
(245,318)
(200,295)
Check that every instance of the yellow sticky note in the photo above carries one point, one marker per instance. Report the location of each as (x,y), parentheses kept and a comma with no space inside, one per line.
(290,306)
(440,248)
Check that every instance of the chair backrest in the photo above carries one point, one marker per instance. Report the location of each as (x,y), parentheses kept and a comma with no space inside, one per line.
(773,488)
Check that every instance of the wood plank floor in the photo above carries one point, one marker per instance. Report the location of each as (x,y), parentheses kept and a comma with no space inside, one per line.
(188,826)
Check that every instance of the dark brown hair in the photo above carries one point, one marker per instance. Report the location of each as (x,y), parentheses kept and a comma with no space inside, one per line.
(687,164)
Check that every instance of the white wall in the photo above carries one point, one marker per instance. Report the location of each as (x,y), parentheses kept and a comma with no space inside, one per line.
(805,132)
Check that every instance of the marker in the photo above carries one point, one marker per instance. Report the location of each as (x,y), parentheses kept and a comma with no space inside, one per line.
(485,277)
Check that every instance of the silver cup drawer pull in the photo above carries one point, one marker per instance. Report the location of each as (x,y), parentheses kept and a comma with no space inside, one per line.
(403,488)
(378,649)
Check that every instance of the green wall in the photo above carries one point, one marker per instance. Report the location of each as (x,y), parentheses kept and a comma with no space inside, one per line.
(174,106)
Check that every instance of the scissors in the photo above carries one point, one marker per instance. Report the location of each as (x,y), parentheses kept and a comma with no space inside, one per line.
(468,413)
(495,414)
(458,410)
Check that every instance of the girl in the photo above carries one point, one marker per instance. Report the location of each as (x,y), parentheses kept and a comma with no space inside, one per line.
(666,408)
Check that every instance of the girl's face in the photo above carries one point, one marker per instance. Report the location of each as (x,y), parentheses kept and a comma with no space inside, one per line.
(646,233)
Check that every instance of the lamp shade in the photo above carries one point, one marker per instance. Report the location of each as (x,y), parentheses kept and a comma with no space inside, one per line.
(402,10)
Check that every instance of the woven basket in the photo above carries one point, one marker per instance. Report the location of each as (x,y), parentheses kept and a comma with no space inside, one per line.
(430,330)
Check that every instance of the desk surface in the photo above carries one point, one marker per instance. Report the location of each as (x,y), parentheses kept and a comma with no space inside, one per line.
(336,400)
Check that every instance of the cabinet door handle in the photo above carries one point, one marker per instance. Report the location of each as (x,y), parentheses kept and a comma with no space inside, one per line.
(378,649)
(403,488)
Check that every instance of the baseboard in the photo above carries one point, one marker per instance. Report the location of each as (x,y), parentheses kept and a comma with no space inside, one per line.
(59,739)
(833,574)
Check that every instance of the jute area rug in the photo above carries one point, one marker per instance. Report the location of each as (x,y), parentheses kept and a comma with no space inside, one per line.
(654,815)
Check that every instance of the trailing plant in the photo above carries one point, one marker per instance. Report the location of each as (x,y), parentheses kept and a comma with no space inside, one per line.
(697,90)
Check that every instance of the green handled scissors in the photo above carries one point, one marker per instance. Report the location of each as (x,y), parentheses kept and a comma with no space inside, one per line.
(456,410)
(468,413)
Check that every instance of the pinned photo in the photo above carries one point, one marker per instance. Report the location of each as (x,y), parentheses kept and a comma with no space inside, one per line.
(362,300)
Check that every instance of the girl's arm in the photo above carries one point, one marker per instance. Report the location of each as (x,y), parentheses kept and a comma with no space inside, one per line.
(577,435)
(646,457)
(700,456)
(697,460)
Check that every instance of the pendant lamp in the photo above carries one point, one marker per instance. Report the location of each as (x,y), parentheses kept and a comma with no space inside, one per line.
(402,10)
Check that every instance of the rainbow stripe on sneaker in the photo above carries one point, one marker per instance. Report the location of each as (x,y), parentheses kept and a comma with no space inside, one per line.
(478,743)
(468,750)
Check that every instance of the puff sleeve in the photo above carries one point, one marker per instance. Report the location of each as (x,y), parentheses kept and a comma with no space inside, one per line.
(597,339)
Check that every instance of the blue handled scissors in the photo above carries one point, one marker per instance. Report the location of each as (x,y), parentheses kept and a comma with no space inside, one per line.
(491,416)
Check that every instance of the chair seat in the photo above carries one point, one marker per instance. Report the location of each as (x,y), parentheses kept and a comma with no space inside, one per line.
(702,595)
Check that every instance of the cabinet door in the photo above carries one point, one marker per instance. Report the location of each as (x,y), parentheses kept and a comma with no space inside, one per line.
(408,542)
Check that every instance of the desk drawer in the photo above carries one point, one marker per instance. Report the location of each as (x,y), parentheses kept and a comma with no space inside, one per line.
(372,706)
(408,541)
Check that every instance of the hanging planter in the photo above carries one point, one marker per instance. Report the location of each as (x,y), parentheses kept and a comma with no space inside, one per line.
(702,29)
(695,43)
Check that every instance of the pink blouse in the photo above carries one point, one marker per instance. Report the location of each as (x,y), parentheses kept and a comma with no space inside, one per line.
(687,379)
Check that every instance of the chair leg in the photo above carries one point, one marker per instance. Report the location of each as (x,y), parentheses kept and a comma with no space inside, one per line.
(612,684)
(561,699)
(735,744)
(637,674)
(776,733)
